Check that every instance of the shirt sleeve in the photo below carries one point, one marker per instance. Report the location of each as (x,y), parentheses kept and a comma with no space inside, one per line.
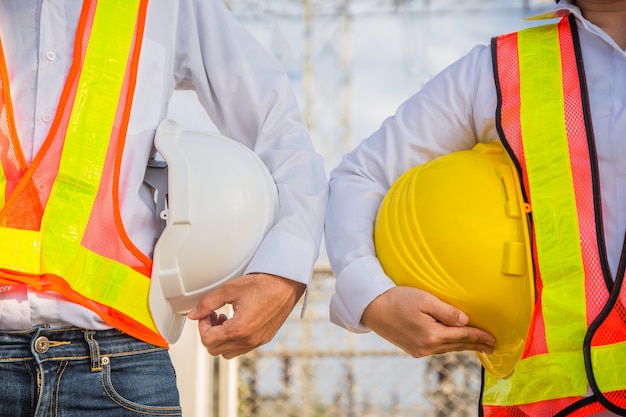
(250,98)
(452,112)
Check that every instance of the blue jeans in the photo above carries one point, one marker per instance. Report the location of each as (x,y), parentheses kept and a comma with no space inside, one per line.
(73,372)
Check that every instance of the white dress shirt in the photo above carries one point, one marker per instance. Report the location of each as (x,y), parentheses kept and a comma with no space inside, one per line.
(453,112)
(188,45)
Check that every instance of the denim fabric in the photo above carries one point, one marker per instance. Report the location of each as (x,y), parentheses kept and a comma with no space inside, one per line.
(74,372)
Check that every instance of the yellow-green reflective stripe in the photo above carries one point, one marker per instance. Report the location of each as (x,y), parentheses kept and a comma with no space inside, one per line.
(538,378)
(91,121)
(76,186)
(609,366)
(122,286)
(21,250)
(552,192)
(558,375)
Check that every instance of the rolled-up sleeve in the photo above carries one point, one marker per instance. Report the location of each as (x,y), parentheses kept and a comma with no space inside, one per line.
(450,113)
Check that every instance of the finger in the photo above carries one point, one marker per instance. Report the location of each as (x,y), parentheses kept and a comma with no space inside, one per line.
(468,338)
(229,349)
(459,346)
(209,303)
(215,336)
(235,353)
(445,313)
(213,318)
(227,336)
(457,332)
(463,346)
(221,319)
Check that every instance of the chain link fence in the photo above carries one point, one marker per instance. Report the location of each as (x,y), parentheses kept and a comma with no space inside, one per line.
(316,369)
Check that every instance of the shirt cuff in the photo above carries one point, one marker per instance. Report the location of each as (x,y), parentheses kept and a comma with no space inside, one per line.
(284,255)
(356,287)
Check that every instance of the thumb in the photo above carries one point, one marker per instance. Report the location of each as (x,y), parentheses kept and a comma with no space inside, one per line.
(207,305)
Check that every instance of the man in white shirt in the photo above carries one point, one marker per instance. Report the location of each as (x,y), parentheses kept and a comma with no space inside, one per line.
(185,45)
(453,112)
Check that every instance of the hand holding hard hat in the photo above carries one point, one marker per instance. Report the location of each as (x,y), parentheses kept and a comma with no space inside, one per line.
(221,201)
(457,228)
(422,325)
(261,303)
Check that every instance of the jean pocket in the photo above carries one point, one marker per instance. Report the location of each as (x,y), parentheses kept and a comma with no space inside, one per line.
(143,383)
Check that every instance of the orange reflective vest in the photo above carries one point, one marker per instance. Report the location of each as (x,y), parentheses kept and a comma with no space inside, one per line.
(60,222)
(575,355)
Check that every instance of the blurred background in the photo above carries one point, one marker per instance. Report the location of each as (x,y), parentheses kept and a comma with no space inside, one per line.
(351,62)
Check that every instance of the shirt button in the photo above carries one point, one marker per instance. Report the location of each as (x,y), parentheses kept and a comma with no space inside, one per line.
(51,56)
(46,118)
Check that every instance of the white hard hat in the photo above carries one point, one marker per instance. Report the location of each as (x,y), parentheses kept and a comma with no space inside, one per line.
(220,202)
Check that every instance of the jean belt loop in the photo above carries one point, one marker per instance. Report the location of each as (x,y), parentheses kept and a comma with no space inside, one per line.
(94,350)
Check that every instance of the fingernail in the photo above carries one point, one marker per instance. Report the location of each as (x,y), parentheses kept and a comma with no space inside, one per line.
(463,319)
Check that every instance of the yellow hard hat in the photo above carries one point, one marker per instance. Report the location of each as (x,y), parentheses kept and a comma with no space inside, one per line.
(457,228)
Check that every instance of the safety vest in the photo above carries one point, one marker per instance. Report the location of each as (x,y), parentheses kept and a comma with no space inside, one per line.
(575,355)
(60,222)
